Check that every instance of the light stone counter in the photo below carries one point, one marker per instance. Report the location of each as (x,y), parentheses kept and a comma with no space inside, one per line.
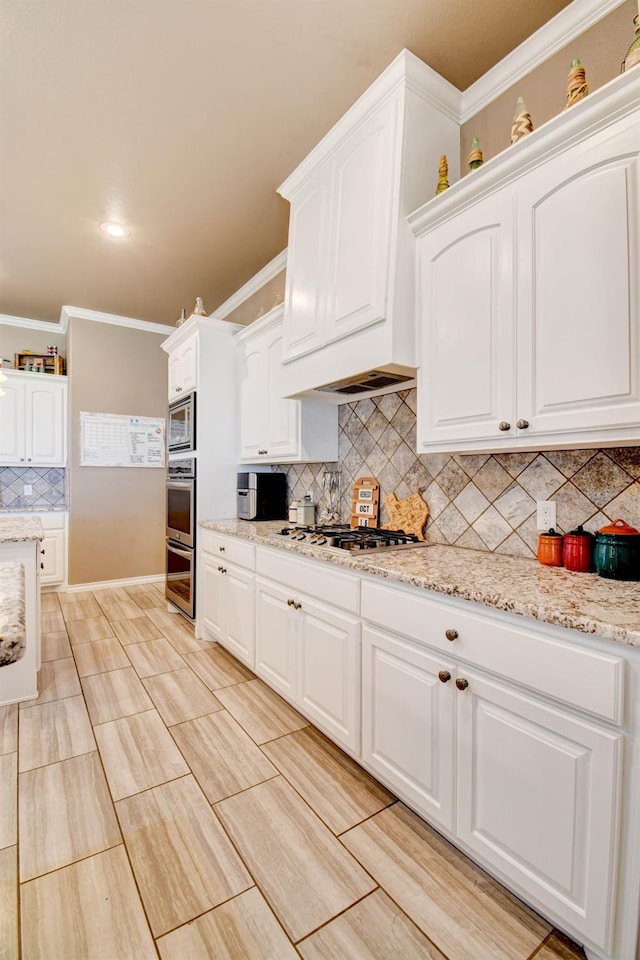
(580,601)
(12,620)
(17,529)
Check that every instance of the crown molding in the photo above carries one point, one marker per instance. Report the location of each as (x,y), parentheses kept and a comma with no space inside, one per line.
(42,325)
(553,36)
(265,322)
(98,317)
(271,270)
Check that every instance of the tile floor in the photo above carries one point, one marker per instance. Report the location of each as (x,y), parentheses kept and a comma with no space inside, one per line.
(158,801)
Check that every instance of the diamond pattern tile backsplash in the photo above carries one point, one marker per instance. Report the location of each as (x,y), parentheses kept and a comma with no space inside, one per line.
(481,501)
(48,488)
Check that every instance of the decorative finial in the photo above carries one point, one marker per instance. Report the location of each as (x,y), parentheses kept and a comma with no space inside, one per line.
(632,58)
(475,158)
(199,309)
(577,86)
(443,175)
(522,122)
(182,318)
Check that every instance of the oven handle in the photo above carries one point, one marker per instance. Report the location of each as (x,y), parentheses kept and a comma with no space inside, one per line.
(181,553)
(180,484)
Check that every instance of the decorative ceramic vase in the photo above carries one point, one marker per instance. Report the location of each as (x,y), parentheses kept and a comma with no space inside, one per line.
(199,309)
(577,86)
(522,122)
(443,175)
(632,58)
(475,158)
(182,318)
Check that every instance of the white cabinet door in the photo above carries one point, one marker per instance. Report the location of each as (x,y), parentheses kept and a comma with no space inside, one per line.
(183,367)
(361,225)
(466,381)
(277,636)
(282,417)
(45,423)
(408,722)
(213,595)
(305,305)
(330,671)
(12,424)
(251,402)
(239,632)
(538,798)
(579,292)
(53,558)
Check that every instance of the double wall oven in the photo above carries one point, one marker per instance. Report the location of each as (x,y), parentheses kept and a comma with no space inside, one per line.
(181,534)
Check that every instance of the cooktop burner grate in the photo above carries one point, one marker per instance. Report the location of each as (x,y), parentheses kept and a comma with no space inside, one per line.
(344,537)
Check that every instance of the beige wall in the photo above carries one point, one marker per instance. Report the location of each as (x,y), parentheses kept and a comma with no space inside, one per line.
(116,520)
(18,339)
(601,49)
(264,299)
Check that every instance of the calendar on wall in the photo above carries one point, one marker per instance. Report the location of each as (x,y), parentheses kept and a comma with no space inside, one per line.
(115,440)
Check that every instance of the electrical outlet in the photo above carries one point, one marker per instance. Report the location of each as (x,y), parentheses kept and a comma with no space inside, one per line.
(28,490)
(546,514)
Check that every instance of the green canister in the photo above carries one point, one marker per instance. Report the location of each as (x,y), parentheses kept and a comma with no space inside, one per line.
(617,551)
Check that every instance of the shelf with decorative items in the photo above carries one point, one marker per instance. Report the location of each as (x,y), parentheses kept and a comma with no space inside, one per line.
(39,363)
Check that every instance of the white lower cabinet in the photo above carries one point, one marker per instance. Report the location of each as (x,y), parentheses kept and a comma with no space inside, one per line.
(227,601)
(53,547)
(538,797)
(529,788)
(408,726)
(310,653)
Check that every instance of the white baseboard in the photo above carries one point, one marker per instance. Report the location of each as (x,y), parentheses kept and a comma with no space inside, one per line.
(109,584)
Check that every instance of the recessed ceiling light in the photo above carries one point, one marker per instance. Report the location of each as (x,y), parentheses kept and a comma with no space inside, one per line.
(112,229)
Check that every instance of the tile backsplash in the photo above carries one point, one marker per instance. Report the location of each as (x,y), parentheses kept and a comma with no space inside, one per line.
(483,501)
(47,483)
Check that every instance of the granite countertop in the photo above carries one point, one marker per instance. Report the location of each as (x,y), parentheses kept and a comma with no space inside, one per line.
(579,601)
(12,623)
(7,511)
(16,529)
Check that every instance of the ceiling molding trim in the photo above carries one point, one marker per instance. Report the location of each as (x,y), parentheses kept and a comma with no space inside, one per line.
(47,326)
(271,270)
(553,36)
(98,317)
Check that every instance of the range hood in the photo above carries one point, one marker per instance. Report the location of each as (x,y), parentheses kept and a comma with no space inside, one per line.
(367,382)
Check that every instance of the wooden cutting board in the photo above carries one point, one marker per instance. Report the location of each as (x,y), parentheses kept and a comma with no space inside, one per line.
(409,514)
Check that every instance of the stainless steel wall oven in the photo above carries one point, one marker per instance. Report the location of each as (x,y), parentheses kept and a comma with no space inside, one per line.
(181,534)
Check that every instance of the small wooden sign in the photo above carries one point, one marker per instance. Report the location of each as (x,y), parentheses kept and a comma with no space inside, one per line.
(365,502)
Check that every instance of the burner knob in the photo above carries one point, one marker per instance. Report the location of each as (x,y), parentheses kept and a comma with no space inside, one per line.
(321,540)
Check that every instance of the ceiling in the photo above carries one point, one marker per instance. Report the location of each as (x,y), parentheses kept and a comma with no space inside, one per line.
(181,118)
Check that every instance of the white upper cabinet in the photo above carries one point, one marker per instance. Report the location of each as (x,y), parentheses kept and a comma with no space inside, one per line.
(529,297)
(33,420)
(273,429)
(350,268)
(183,366)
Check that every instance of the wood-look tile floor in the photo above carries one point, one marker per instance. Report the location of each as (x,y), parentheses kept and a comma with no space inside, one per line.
(160,802)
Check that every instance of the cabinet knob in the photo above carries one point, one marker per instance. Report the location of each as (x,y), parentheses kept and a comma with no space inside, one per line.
(451,634)
(42,552)
(522,424)
(290,602)
(444,676)
(297,606)
(21,459)
(461,683)
(503,425)
(221,549)
(220,569)
(41,565)
(178,389)
(224,569)
(263,453)
(28,459)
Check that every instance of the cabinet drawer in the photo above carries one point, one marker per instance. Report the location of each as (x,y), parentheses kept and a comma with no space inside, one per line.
(313,577)
(557,667)
(232,549)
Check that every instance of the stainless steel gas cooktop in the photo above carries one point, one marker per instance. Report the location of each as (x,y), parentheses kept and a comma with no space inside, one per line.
(358,540)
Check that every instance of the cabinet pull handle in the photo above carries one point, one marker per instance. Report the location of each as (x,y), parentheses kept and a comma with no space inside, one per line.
(221,569)
(42,552)
(42,566)
(290,602)
(444,676)
(297,606)
(503,425)
(451,634)
(461,683)
(221,549)
(522,424)
(178,389)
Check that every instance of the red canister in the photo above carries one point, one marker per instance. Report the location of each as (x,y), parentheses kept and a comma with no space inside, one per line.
(550,548)
(577,550)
